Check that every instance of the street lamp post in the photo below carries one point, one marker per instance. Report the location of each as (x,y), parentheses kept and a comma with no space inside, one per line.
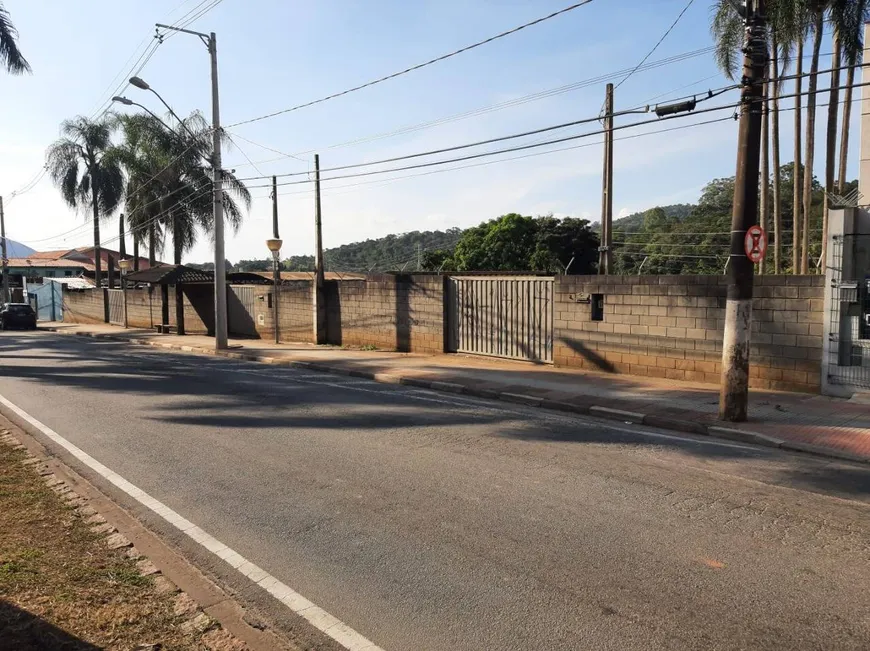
(220,271)
(274,245)
(125,265)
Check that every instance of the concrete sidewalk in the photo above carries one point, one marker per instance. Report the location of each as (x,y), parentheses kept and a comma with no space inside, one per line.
(809,423)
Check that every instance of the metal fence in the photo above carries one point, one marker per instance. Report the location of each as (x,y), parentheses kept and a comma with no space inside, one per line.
(502,316)
(849,325)
(115,298)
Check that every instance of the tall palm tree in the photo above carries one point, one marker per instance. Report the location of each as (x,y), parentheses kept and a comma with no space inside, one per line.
(10,56)
(82,167)
(852,41)
(176,190)
(817,16)
(775,89)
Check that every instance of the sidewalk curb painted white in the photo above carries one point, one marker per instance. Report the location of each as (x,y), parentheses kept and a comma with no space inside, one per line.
(316,616)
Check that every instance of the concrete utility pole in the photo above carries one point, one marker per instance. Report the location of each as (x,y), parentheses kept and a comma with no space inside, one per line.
(220,270)
(319,293)
(734,392)
(276,262)
(605,252)
(4,260)
(220,266)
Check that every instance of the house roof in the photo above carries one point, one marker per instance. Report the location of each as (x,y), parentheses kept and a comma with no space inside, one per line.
(171,274)
(73,283)
(38,263)
(308,275)
(49,255)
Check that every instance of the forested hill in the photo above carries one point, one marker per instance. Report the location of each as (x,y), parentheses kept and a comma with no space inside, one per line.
(677,212)
(390,252)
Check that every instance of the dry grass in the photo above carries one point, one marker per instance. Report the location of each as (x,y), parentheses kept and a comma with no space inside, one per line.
(61,587)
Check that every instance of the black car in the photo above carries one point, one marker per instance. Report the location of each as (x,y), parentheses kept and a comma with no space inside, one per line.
(17,315)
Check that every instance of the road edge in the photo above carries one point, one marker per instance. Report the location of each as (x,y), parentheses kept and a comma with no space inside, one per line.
(609,411)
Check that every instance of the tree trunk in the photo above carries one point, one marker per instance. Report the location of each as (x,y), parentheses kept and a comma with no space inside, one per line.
(135,254)
(777,199)
(763,208)
(844,131)
(179,292)
(796,172)
(831,141)
(818,28)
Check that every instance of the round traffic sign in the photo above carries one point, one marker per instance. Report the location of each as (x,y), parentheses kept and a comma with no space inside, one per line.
(755,243)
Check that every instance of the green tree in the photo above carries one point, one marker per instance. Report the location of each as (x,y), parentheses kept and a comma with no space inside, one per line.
(10,56)
(515,242)
(182,181)
(82,167)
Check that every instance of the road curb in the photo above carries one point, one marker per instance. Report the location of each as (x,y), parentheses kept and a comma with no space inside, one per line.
(607,411)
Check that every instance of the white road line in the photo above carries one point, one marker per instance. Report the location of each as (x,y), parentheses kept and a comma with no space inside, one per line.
(316,616)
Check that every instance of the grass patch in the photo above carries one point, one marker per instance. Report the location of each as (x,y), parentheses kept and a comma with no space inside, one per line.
(61,587)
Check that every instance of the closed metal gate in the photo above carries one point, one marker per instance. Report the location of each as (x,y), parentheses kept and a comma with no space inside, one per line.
(240,311)
(849,326)
(502,316)
(116,306)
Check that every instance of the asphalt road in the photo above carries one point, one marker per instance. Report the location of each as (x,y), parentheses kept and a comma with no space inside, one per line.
(430,521)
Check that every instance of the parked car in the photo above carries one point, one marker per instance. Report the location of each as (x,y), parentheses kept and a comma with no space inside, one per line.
(17,315)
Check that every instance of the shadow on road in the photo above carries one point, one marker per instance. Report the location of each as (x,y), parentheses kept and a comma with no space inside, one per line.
(201,392)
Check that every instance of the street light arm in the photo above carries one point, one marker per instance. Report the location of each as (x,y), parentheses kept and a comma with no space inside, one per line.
(173,113)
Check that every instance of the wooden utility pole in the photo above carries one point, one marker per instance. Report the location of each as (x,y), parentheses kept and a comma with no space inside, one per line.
(122,244)
(734,392)
(275,208)
(605,252)
(319,293)
(4,260)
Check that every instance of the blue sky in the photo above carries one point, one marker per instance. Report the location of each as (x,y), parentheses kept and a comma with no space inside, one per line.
(275,54)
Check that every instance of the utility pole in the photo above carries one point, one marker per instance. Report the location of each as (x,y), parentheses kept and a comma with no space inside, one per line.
(734,391)
(220,266)
(319,293)
(4,260)
(276,260)
(220,271)
(419,256)
(122,244)
(605,253)
(275,208)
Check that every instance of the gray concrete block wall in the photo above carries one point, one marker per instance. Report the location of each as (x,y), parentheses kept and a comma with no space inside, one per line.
(392,312)
(671,327)
(295,311)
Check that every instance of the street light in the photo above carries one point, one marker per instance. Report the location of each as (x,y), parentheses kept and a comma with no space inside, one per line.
(138,82)
(274,245)
(125,265)
(129,102)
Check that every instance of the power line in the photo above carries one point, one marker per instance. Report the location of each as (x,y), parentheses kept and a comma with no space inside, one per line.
(513,158)
(539,144)
(416,67)
(656,46)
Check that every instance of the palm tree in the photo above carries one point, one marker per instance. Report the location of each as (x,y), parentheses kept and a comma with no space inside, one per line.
(852,42)
(171,184)
(817,16)
(82,167)
(10,56)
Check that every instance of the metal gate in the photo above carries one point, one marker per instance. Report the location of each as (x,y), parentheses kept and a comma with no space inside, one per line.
(115,298)
(849,361)
(240,311)
(502,316)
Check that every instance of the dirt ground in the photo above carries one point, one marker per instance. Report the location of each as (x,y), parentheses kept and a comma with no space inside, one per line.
(62,588)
